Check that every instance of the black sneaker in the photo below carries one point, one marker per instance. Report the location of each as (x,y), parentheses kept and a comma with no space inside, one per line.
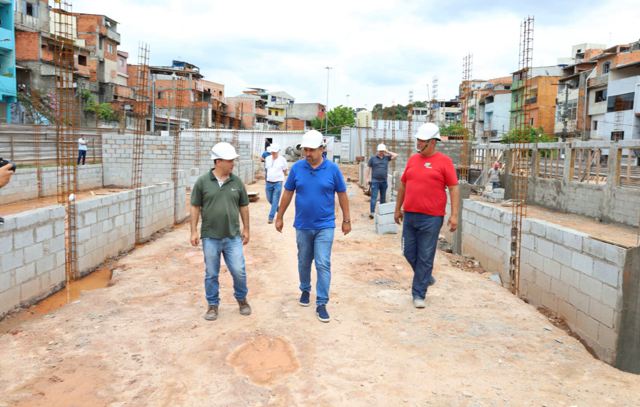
(432,280)
(304,299)
(322,314)
(212,313)
(371,216)
(245,308)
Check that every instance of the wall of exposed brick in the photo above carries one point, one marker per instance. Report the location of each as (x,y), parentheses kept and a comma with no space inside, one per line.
(27,46)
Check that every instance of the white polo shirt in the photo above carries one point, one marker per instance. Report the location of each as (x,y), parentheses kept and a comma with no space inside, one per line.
(275,168)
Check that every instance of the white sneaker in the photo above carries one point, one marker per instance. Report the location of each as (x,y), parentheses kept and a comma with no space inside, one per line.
(418,303)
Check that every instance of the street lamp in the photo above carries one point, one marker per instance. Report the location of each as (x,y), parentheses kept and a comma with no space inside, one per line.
(326,107)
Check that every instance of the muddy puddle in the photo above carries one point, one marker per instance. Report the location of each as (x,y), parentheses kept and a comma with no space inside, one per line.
(264,359)
(98,279)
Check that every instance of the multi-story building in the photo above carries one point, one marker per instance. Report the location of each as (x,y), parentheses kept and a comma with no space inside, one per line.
(251,110)
(540,103)
(571,104)
(7,61)
(446,112)
(494,103)
(470,92)
(613,94)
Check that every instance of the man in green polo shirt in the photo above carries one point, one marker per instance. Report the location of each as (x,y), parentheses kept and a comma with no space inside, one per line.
(220,196)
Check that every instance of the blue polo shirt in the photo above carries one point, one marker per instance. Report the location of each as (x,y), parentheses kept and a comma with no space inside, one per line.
(315,193)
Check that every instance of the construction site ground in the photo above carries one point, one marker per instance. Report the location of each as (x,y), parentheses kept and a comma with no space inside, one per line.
(142,340)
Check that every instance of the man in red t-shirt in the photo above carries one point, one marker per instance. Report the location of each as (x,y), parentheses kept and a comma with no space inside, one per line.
(422,196)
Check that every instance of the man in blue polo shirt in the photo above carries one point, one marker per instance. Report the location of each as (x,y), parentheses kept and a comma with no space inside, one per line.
(315,182)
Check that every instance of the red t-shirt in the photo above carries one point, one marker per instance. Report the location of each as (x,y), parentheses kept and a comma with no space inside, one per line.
(425,179)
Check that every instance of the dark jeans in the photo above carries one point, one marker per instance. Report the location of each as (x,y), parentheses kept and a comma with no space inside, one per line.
(495,185)
(375,187)
(82,155)
(419,242)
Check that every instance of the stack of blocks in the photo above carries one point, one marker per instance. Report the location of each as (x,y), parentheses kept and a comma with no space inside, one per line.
(384,219)
(496,195)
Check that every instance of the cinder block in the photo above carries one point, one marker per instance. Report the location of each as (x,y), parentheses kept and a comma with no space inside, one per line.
(30,289)
(607,273)
(568,312)
(386,208)
(582,262)
(601,312)
(590,286)
(44,232)
(532,258)
(562,255)
(573,239)
(579,299)
(9,299)
(587,327)
(25,273)
(46,264)
(387,229)
(6,243)
(23,238)
(552,268)
(560,289)
(33,252)
(12,260)
(615,254)
(611,297)
(544,247)
(594,247)
(543,281)
(607,338)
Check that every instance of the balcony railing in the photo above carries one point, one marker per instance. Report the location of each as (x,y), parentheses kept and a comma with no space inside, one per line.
(531,100)
(6,40)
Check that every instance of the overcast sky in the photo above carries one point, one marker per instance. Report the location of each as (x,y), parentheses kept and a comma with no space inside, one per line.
(379,49)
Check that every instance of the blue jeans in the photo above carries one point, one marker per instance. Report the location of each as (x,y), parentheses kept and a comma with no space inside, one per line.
(82,156)
(495,185)
(274,190)
(419,242)
(315,245)
(375,187)
(231,249)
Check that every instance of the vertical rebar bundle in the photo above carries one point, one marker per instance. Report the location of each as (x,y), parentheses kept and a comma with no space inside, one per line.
(182,98)
(140,110)
(466,92)
(520,165)
(66,110)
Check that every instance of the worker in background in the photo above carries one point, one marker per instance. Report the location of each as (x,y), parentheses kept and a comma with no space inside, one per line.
(276,171)
(82,150)
(315,182)
(266,153)
(494,175)
(422,202)
(377,170)
(220,197)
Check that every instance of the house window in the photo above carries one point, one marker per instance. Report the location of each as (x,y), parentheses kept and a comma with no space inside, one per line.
(606,67)
(619,103)
(595,125)
(31,9)
(82,60)
(617,135)
(110,48)
(159,95)
(531,122)
(601,95)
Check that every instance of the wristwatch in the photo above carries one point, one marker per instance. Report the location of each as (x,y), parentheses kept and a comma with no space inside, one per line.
(346,221)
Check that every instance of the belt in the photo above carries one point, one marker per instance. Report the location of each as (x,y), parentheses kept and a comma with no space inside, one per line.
(273,182)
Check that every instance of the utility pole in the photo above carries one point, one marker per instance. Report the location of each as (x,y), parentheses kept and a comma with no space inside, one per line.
(326,107)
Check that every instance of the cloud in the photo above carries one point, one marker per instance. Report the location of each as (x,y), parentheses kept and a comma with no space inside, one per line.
(379,50)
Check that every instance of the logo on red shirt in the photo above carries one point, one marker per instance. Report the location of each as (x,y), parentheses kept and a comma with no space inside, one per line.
(427,165)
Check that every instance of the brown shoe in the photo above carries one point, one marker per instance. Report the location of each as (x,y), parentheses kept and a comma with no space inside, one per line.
(212,313)
(245,308)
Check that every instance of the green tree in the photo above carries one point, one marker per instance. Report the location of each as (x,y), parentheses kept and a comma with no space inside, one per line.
(527,135)
(104,111)
(454,129)
(338,117)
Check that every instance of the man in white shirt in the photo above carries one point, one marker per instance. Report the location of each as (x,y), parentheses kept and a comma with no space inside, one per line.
(82,150)
(276,166)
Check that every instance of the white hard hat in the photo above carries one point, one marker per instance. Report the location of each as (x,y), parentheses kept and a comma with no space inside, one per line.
(428,131)
(273,148)
(223,151)
(381,147)
(312,139)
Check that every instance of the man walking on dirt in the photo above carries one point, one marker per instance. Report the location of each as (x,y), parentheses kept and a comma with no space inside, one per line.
(221,198)
(315,181)
(422,196)
(276,171)
(377,170)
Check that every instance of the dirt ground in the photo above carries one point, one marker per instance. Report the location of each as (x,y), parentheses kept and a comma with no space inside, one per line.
(143,342)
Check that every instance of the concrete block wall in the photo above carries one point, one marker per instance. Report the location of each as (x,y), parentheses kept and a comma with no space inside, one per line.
(32,243)
(564,270)
(157,209)
(24,184)
(158,158)
(32,256)
(106,228)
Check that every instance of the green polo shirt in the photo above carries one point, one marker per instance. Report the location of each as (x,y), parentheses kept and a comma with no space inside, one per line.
(219,205)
